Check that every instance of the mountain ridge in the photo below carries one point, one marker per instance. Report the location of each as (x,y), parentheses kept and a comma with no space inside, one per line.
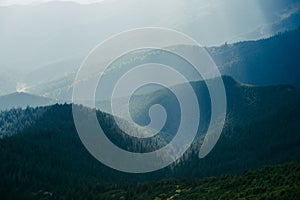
(22,100)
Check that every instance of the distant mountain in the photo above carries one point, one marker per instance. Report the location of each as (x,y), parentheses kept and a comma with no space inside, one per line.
(289,21)
(60,43)
(265,62)
(284,21)
(22,100)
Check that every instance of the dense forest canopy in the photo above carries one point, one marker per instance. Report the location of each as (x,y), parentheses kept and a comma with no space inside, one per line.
(41,151)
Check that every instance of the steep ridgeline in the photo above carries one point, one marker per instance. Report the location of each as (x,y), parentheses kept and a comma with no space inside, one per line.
(258,118)
(262,127)
(264,62)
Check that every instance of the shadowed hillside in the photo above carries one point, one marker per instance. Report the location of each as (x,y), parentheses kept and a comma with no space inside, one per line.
(47,155)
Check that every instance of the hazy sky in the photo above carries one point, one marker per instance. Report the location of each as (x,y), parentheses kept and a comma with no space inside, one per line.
(11,2)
